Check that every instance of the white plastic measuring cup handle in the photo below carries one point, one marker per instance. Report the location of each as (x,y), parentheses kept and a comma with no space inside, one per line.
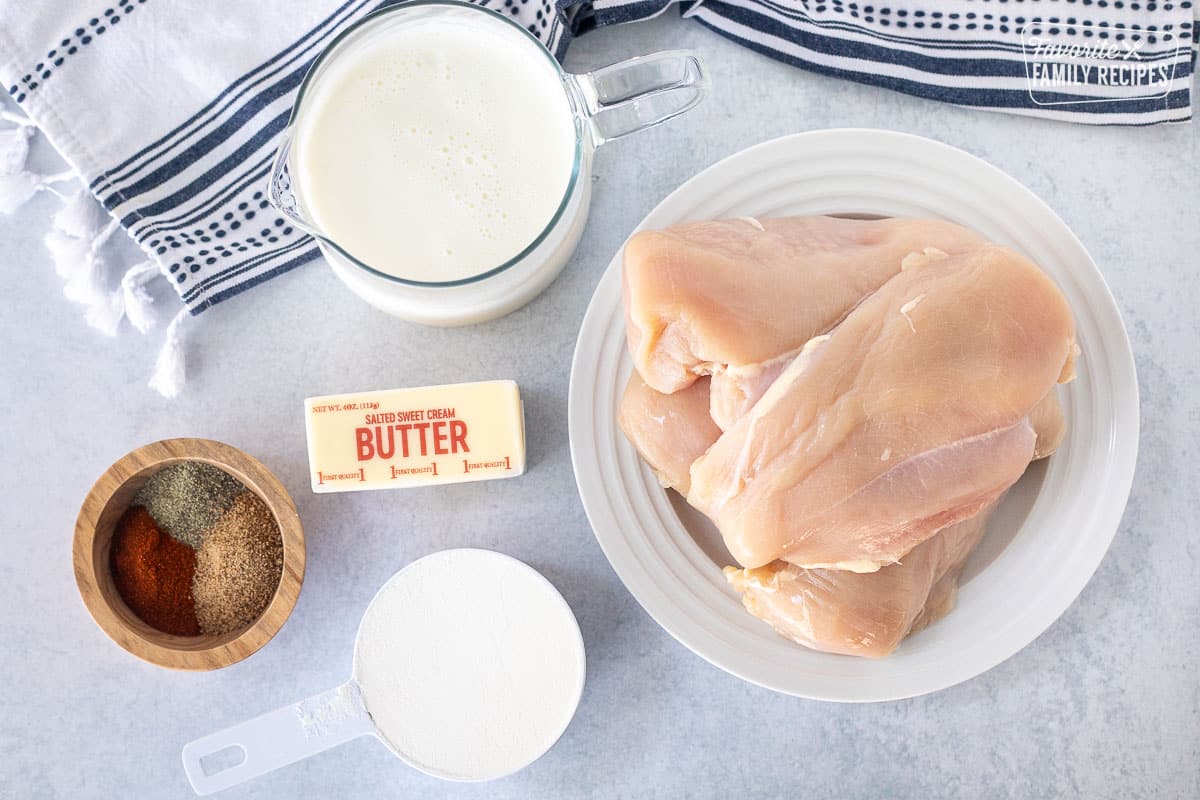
(276,739)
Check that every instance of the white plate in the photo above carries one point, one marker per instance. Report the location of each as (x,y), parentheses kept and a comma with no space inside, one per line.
(1047,538)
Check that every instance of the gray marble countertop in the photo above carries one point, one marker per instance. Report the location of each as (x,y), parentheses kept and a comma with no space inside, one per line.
(1105,704)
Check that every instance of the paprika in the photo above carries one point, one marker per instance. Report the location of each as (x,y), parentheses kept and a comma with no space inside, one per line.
(153,573)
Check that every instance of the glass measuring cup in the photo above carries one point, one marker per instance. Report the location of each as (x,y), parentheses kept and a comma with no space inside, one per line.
(603,105)
(294,732)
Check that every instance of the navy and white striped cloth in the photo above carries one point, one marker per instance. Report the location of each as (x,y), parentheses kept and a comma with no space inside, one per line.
(980,53)
(169,111)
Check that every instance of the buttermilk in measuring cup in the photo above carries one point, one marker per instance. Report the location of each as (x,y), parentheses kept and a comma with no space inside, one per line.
(436,152)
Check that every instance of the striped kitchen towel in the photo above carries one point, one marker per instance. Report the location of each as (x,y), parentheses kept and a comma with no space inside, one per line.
(168,111)
(1098,62)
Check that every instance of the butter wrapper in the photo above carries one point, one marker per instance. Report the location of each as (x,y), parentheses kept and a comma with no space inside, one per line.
(415,437)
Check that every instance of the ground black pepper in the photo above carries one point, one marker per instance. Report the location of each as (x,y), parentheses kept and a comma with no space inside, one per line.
(188,498)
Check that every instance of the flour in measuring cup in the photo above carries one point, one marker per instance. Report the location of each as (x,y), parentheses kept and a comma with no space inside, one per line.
(470,664)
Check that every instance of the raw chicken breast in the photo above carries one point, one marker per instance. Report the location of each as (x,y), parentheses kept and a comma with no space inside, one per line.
(1049,425)
(942,597)
(837,611)
(669,431)
(734,390)
(703,297)
(911,415)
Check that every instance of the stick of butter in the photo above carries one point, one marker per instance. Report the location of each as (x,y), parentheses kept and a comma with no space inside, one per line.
(415,437)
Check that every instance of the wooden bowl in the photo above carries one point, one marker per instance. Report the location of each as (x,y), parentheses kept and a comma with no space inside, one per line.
(108,500)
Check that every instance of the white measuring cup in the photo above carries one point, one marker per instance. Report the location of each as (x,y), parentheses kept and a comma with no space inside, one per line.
(281,737)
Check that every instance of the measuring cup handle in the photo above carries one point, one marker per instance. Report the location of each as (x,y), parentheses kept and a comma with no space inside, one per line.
(641,92)
(276,739)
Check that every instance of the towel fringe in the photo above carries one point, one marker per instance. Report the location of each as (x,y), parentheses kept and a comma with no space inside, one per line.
(80,217)
(74,243)
(170,370)
(136,300)
(16,119)
(67,252)
(76,237)
(103,235)
(16,189)
(14,149)
(17,184)
(106,313)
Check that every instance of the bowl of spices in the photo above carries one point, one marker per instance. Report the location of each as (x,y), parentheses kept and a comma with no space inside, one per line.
(189,554)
